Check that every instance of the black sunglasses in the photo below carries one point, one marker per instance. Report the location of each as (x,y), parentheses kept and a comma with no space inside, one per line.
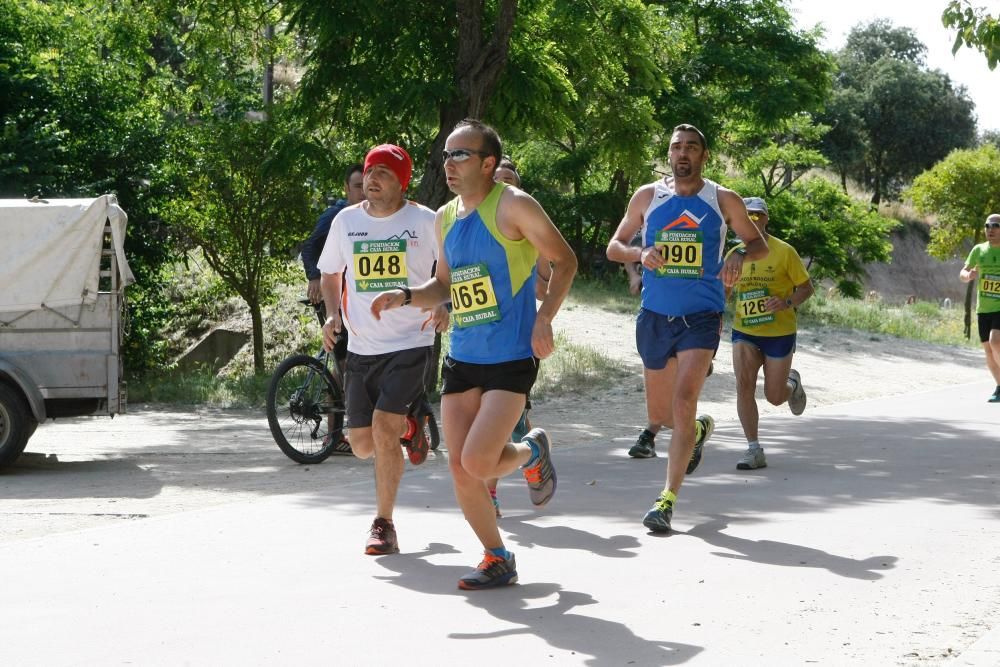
(461,154)
(992,225)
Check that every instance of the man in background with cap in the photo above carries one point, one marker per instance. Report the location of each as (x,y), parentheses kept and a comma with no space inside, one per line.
(764,329)
(385,242)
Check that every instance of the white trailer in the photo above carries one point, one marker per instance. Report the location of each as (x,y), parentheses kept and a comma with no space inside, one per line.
(63,275)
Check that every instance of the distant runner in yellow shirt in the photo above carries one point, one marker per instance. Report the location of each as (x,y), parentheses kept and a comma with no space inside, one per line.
(764,329)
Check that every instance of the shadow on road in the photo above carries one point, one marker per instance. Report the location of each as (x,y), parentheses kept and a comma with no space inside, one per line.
(606,642)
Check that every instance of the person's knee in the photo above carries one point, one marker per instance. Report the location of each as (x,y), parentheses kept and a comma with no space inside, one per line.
(361,443)
(775,395)
(386,430)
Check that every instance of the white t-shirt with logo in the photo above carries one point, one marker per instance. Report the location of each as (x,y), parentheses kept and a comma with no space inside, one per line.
(376,255)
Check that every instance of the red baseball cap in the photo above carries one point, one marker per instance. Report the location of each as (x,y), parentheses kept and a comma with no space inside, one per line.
(393,157)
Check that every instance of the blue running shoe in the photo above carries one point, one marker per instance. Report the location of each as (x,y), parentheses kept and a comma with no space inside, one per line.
(492,571)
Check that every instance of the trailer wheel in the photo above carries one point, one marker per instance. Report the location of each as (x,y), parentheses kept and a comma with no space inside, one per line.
(16,424)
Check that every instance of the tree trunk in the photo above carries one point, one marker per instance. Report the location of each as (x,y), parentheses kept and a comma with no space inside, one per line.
(258,336)
(478,68)
(969,289)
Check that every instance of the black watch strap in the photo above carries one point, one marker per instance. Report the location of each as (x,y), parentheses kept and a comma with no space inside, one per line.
(407,295)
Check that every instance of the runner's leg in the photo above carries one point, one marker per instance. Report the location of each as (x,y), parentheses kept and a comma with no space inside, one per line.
(747,361)
(690,371)
(476,427)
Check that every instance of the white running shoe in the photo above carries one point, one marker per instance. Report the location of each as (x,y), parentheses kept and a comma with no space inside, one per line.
(797,401)
(752,459)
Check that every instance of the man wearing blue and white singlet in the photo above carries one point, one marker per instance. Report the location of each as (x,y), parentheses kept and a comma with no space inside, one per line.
(491,237)
(683,221)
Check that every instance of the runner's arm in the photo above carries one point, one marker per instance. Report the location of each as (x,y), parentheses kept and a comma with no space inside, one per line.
(331,285)
(620,248)
(434,292)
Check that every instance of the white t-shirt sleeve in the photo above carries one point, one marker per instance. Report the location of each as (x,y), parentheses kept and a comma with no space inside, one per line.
(332,259)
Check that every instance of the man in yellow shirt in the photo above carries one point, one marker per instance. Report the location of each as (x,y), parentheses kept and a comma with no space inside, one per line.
(764,329)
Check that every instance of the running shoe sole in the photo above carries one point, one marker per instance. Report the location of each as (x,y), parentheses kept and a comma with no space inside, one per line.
(541,476)
(797,401)
(708,427)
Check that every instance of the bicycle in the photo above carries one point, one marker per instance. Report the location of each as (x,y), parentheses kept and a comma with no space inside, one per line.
(306,412)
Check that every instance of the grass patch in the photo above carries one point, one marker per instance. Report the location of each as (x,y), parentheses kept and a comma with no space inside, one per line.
(576,368)
(609,294)
(925,321)
(201,387)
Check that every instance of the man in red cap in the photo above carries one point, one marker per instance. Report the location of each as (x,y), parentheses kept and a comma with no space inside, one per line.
(385,242)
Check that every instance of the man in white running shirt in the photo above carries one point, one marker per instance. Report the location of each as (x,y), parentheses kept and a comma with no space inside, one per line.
(383,243)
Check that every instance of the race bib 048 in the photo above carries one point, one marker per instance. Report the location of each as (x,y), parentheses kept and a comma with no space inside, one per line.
(473,301)
(681,250)
(379,265)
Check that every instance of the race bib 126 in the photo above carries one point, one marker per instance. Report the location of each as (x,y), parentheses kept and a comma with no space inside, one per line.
(751,304)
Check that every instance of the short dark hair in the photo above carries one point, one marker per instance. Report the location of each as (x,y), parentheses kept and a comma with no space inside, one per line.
(506,163)
(356,167)
(491,140)
(687,127)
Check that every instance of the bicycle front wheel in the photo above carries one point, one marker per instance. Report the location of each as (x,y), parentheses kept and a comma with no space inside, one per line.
(305,409)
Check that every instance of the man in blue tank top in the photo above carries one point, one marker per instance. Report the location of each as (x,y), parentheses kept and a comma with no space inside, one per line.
(683,222)
(491,237)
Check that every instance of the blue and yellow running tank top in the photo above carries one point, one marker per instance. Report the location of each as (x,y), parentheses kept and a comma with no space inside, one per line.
(492,285)
(690,232)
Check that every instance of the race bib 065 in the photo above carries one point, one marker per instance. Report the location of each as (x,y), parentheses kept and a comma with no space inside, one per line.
(473,301)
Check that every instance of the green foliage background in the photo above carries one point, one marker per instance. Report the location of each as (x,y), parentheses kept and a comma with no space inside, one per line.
(160,102)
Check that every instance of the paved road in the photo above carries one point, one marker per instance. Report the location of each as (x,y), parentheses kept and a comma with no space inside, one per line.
(185,538)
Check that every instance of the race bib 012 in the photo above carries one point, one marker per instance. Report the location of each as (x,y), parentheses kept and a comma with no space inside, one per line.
(989,286)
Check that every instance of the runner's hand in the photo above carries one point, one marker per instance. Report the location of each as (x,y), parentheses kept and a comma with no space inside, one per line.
(731,270)
(651,258)
(313,291)
(774,304)
(386,301)
(331,329)
(439,318)
(542,341)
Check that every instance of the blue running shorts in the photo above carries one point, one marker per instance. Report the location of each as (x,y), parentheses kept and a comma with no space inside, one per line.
(659,337)
(773,347)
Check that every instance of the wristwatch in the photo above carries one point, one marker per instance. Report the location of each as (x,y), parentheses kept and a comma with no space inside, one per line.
(407,295)
(788,302)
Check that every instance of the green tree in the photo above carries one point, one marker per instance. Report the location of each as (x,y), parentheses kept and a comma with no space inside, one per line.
(885,103)
(976,28)
(244,202)
(731,53)
(778,159)
(836,234)
(366,73)
(961,191)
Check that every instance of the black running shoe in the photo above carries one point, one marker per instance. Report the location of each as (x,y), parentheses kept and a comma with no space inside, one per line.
(657,519)
(644,447)
(707,427)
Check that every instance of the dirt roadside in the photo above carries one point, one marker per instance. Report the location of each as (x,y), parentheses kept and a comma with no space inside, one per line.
(155,461)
